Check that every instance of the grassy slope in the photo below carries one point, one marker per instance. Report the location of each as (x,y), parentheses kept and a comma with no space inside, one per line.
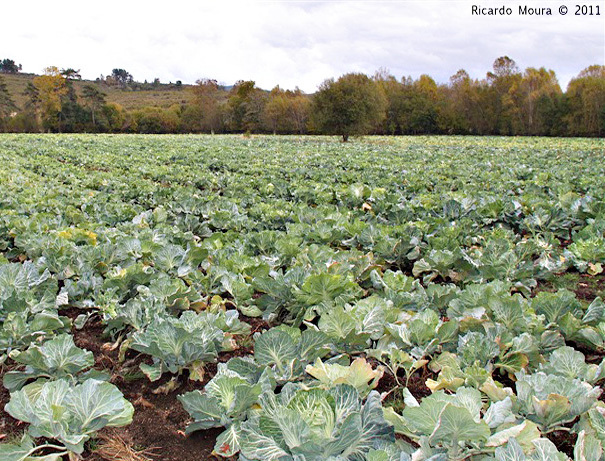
(163,96)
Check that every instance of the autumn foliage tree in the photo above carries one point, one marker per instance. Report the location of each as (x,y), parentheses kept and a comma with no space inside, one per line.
(506,101)
(540,95)
(204,114)
(586,99)
(50,88)
(286,111)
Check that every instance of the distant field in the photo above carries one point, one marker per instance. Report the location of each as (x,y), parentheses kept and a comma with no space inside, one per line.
(163,96)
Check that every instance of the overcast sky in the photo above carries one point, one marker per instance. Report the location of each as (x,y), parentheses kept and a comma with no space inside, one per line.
(294,43)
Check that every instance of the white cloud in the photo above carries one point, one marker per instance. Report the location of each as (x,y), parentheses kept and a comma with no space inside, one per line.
(293,43)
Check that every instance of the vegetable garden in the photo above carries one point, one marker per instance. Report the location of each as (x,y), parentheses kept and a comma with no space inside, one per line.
(286,298)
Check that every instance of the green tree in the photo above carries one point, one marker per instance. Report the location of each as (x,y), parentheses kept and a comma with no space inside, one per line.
(351,105)
(116,116)
(422,111)
(7,105)
(156,120)
(71,74)
(95,99)
(72,116)
(8,66)
(393,92)
(245,107)
(286,111)
(32,107)
(461,110)
(274,115)
(121,77)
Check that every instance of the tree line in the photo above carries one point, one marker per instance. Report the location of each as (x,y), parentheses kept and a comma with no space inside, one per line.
(507,101)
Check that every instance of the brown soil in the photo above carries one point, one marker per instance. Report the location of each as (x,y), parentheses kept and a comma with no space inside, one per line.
(586,290)
(10,428)
(159,421)
(564,441)
(594,356)
(257,324)
(416,384)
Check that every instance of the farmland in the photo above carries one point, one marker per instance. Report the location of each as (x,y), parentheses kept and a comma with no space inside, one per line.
(164,95)
(299,298)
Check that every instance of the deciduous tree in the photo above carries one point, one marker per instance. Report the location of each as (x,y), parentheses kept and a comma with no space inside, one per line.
(245,107)
(51,87)
(586,99)
(204,113)
(95,99)
(351,105)
(7,105)
(286,111)
(540,90)
(505,83)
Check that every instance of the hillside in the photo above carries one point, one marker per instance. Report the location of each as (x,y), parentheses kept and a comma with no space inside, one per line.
(164,95)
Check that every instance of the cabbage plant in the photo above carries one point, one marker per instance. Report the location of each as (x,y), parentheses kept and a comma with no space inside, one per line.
(315,424)
(69,413)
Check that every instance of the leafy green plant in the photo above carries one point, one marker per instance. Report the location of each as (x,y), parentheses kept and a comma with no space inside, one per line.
(455,426)
(20,329)
(588,255)
(226,401)
(571,364)
(315,424)
(287,351)
(69,413)
(417,254)
(25,449)
(421,334)
(180,343)
(358,374)
(541,450)
(552,401)
(354,327)
(55,359)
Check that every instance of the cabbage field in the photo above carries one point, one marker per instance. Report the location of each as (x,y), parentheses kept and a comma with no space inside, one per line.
(187,298)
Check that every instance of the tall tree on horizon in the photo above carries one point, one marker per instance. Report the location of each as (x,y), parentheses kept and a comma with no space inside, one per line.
(540,88)
(206,94)
(71,74)
(95,99)
(586,99)
(122,77)
(8,66)
(7,105)
(351,105)
(505,85)
(51,88)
